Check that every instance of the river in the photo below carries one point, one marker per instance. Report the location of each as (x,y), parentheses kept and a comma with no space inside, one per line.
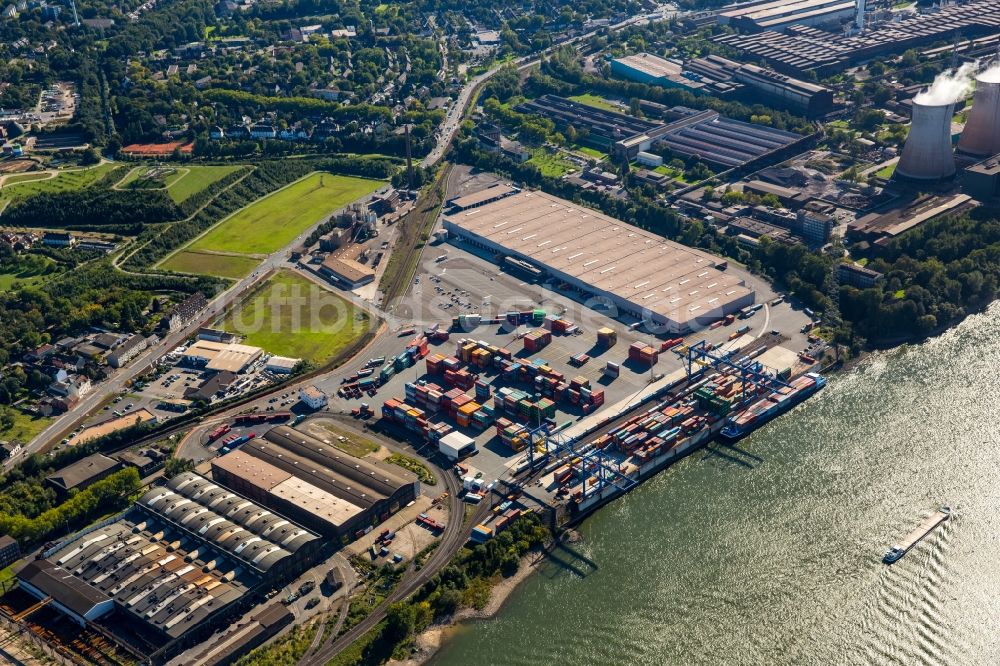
(770,552)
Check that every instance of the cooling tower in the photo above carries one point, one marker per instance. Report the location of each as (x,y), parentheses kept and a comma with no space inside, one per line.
(927,153)
(981,136)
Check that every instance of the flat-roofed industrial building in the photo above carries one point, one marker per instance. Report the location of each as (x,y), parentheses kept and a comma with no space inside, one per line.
(220,356)
(315,483)
(185,555)
(778,14)
(640,273)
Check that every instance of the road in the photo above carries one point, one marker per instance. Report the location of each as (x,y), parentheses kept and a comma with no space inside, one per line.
(120,380)
(458,110)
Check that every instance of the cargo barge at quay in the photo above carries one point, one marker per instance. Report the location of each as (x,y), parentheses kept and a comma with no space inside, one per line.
(928,525)
(645,443)
(772,405)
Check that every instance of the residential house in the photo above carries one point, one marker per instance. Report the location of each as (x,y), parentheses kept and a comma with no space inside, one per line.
(127,350)
(10,552)
(9,450)
(184,312)
(263,131)
(58,239)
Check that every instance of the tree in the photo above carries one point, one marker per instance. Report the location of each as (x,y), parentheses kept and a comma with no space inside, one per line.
(90,156)
(177,466)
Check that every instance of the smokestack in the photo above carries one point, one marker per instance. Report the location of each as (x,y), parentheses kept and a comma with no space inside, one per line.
(860,18)
(981,136)
(927,153)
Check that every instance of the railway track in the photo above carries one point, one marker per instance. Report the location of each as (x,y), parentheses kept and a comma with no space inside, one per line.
(454,537)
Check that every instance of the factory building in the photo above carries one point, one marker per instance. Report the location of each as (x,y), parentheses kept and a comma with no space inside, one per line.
(881,226)
(982,180)
(160,576)
(756,84)
(718,141)
(654,70)
(315,483)
(779,14)
(629,269)
(221,356)
(798,47)
(722,142)
(608,130)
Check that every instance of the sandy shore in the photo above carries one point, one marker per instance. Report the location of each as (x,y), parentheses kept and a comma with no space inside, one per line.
(432,638)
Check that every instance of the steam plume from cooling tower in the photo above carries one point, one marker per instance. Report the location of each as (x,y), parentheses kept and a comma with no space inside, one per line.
(949,86)
(991,74)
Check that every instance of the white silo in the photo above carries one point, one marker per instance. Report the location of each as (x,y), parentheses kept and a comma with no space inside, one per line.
(981,136)
(927,152)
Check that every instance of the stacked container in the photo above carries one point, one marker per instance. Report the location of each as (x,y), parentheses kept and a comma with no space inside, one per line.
(643,353)
(537,340)
(606,337)
(435,364)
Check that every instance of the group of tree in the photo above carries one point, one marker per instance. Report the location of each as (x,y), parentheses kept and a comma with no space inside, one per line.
(466,581)
(109,494)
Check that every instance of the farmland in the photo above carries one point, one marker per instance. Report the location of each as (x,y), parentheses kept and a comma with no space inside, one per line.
(290,315)
(271,223)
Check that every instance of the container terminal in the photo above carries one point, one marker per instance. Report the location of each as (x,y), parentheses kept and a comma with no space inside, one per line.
(929,524)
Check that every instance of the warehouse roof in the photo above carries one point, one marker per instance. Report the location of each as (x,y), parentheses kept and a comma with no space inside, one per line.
(347,269)
(283,485)
(666,278)
(155,572)
(497,191)
(223,355)
(359,481)
(82,471)
(317,501)
(62,585)
(650,64)
(252,470)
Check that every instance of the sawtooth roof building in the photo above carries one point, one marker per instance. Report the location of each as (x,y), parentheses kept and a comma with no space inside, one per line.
(640,273)
(316,483)
(159,577)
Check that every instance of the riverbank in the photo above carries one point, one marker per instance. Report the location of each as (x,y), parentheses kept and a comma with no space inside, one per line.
(428,642)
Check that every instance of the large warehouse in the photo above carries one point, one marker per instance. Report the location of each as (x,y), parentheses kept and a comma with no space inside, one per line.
(643,275)
(162,573)
(315,483)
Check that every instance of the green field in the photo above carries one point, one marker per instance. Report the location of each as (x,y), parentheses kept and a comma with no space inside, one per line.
(550,164)
(28,276)
(25,428)
(207,263)
(587,151)
(293,316)
(886,172)
(181,182)
(596,101)
(63,181)
(271,223)
(23,178)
